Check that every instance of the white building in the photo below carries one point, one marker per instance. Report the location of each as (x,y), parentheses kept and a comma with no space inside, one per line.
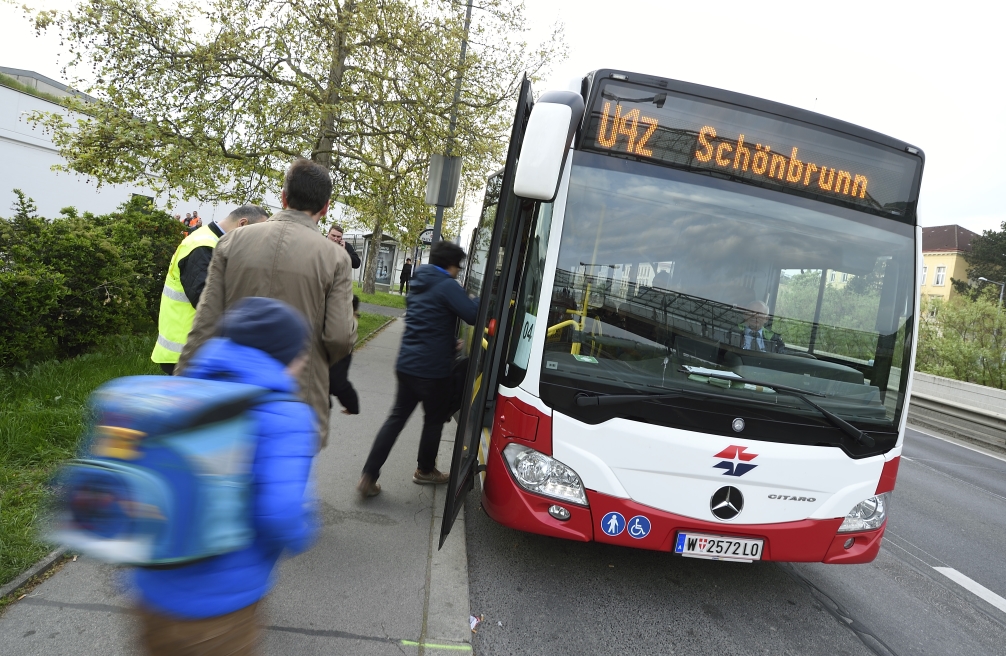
(27,156)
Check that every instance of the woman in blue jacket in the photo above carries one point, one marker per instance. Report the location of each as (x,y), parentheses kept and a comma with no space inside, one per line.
(209,607)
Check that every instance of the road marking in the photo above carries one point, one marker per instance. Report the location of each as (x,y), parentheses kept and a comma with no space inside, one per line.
(890,537)
(950,440)
(432,645)
(973,586)
(952,464)
(954,478)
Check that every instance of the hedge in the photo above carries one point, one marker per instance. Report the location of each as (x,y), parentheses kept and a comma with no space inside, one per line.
(68,282)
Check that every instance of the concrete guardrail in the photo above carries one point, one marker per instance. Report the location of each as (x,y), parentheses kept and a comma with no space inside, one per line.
(965,411)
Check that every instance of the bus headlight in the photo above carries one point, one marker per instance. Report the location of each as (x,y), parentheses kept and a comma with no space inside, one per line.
(536,472)
(867,515)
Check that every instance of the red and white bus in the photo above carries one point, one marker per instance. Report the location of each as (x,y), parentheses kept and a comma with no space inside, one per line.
(697,324)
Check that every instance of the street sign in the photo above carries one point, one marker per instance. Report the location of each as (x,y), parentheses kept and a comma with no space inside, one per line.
(442,183)
(426,236)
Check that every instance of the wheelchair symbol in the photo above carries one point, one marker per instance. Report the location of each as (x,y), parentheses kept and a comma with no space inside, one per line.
(639,527)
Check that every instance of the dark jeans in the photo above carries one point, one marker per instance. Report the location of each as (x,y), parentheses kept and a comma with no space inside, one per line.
(340,387)
(435,395)
(403,284)
(168,368)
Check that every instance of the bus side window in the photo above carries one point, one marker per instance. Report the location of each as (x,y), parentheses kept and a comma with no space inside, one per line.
(525,315)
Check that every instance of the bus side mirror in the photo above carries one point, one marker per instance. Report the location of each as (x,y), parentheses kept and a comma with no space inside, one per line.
(549,134)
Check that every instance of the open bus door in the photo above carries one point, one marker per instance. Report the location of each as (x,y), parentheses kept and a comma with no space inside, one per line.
(493,262)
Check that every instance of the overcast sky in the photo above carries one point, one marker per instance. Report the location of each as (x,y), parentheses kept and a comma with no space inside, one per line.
(928,73)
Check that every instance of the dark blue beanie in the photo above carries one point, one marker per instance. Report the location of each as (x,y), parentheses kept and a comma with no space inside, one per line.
(268,325)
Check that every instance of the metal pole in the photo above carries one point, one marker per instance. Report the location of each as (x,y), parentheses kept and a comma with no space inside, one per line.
(439,221)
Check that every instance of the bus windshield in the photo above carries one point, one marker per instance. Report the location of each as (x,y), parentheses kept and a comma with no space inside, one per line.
(664,276)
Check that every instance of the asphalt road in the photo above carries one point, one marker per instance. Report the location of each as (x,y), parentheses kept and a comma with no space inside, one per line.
(547,596)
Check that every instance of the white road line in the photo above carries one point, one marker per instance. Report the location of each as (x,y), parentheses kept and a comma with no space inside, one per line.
(973,587)
(959,443)
(954,478)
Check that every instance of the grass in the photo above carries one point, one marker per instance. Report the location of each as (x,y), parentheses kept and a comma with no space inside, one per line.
(368,323)
(380,298)
(41,419)
(8,81)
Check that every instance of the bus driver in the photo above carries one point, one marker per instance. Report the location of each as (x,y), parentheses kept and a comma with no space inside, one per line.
(755,336)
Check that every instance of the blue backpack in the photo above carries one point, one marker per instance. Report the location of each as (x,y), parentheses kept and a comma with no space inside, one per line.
(167,479)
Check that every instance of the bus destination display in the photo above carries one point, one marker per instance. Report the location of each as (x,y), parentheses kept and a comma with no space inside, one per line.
(771,152)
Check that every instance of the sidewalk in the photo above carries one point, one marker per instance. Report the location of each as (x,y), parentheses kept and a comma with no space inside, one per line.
(373,583)
(381,309)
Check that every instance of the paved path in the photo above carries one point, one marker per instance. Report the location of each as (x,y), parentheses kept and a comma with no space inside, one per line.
(374,582)
(381,309)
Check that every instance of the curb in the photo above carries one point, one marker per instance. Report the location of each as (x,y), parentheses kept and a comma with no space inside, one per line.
(41,567)
(375,333)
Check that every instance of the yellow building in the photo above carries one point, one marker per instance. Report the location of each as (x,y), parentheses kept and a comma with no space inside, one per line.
(944,253)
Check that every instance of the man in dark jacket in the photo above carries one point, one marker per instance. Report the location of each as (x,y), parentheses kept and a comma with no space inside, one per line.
(335,235)
(338,377)
(338,374)
(423,369)
(406,277)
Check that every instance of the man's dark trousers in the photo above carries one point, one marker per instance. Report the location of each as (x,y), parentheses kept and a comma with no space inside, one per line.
(340,387)
(435,395)
(403,284)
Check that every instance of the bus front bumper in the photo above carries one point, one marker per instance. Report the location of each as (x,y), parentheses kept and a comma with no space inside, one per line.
(808,540)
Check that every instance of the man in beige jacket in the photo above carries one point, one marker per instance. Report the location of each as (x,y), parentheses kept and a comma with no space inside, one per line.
(288,259)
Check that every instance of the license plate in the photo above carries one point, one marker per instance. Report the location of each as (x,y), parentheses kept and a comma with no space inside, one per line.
(718,547)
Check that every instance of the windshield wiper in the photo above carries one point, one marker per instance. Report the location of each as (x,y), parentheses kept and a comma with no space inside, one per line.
(832,418)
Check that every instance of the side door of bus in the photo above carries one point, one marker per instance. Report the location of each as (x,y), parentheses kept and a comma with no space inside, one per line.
(492,265)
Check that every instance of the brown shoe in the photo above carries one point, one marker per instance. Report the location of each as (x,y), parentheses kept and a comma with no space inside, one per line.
(434,477)
(368,487)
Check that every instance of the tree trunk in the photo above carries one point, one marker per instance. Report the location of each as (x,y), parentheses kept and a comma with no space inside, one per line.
(373,253)
(322,152)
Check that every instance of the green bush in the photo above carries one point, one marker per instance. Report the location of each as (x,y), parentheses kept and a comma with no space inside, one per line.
(26,293)
(964,339)
(81,277)
(147,238)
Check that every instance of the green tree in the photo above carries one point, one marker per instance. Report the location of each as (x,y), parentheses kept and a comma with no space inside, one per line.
(987,259)
(964,339)
(848,312)
(211,100)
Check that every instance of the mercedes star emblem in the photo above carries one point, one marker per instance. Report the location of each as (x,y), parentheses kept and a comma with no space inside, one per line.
(727,502)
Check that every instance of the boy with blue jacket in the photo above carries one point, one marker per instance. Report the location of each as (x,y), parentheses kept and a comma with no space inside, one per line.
(209,607)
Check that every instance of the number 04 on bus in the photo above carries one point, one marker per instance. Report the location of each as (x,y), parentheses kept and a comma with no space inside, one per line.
(697,324)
